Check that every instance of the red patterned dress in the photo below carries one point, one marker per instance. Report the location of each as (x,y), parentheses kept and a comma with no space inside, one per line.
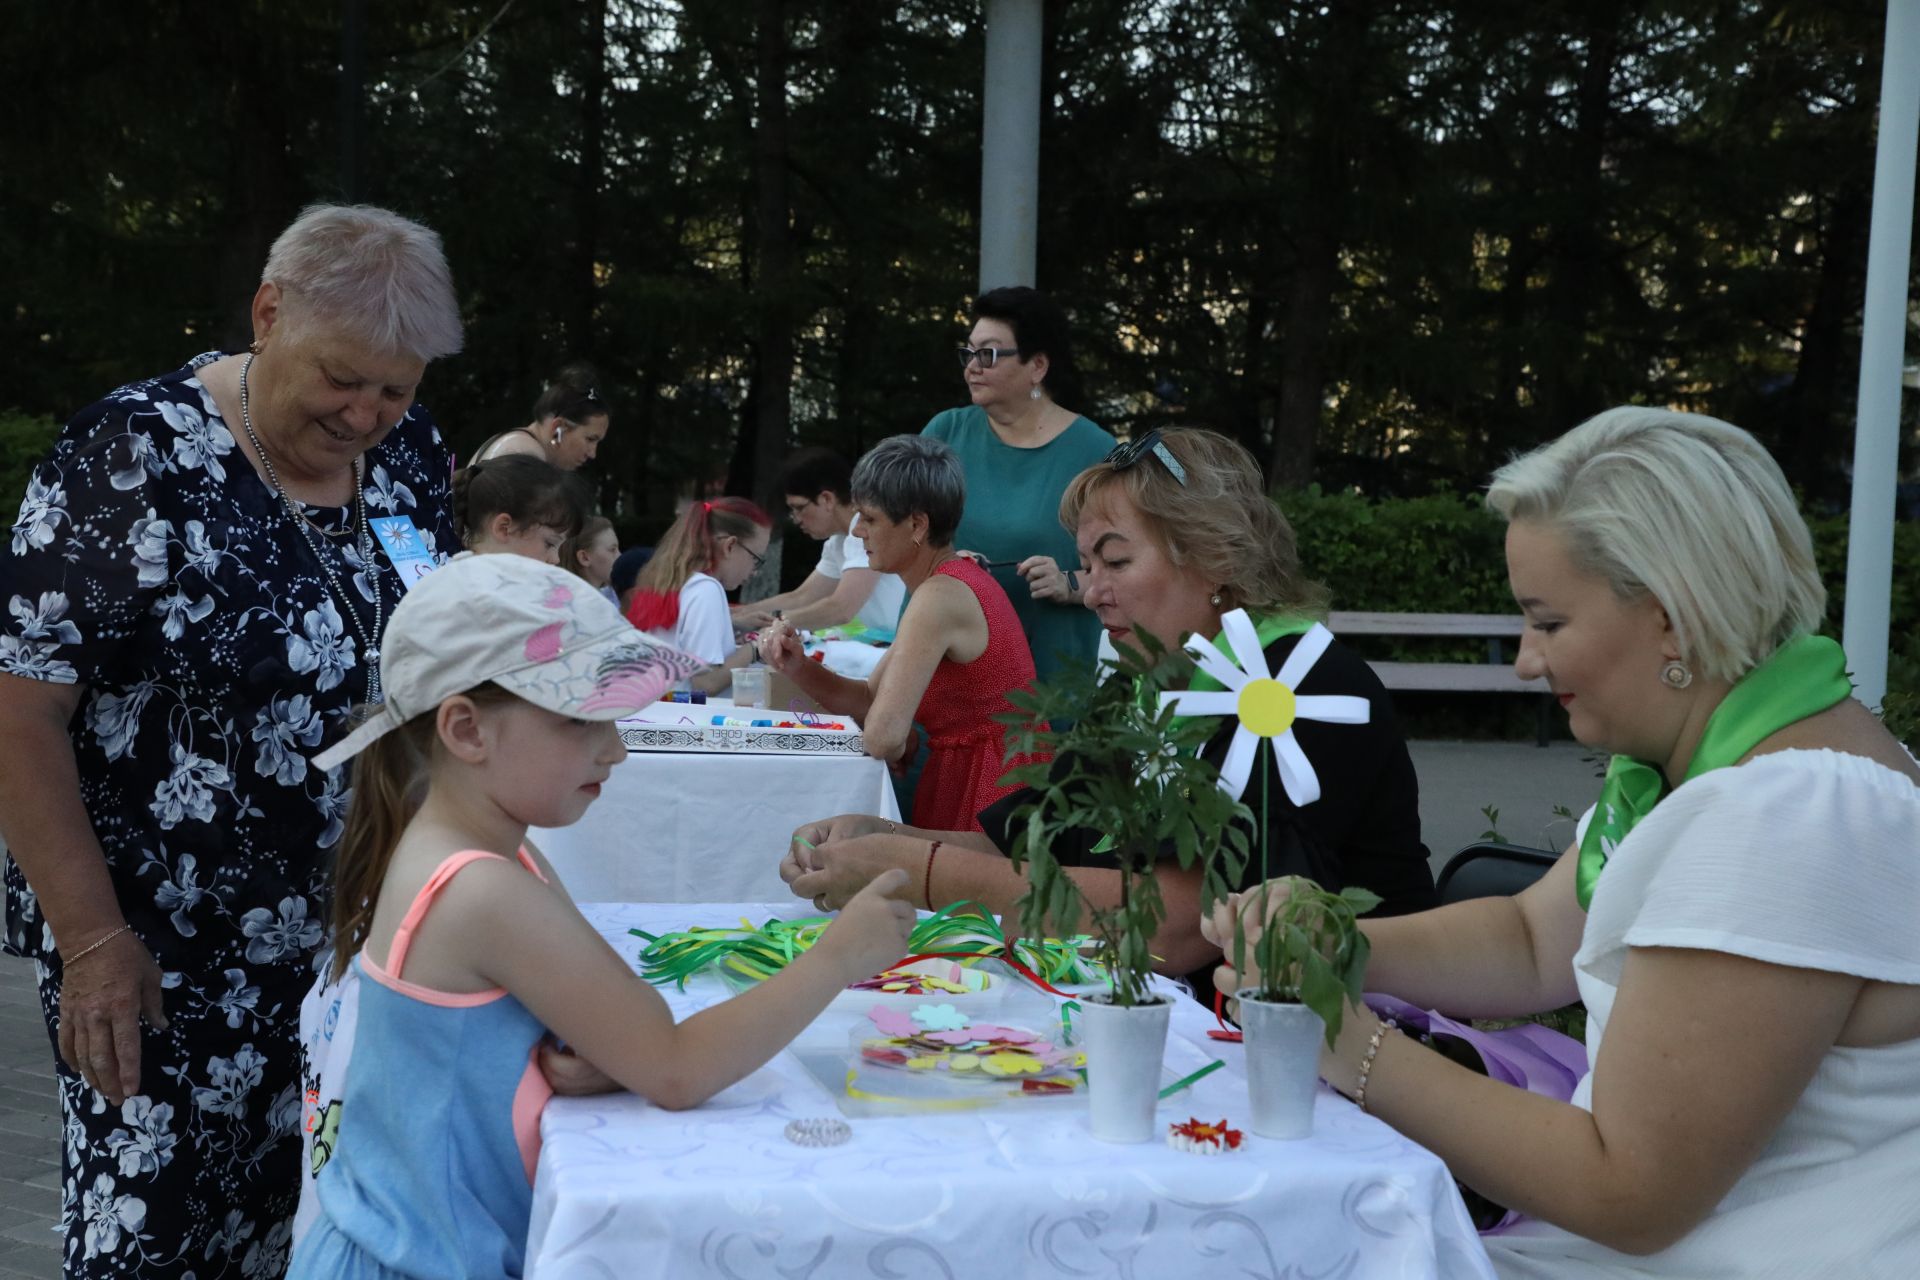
(966,746)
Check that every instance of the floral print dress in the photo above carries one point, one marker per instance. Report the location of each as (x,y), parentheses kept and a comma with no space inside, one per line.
(152,565)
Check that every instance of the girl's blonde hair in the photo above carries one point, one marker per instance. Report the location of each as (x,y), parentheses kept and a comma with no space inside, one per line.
(570,549)
(389,781)
(691,546)
(1685,507)
(1220,525)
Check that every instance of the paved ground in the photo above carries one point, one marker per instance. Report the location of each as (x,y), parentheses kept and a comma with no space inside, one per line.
(29,1131)
(1457,779)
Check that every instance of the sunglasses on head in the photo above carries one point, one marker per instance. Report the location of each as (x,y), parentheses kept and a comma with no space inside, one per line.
(1130,452)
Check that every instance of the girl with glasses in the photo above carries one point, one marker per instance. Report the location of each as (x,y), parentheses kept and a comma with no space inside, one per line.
(681,597)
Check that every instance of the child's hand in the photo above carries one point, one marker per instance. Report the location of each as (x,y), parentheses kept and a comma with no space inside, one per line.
(571,1076)
(871,932)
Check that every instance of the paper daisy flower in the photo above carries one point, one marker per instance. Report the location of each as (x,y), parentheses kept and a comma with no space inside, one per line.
(1266,705)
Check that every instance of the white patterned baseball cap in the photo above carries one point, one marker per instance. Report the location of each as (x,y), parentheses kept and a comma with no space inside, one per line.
(533,629)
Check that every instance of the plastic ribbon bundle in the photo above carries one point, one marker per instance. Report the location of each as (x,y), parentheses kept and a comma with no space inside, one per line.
(757,953)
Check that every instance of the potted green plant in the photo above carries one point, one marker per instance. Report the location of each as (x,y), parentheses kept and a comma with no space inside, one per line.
(1311,960)
(1124,781)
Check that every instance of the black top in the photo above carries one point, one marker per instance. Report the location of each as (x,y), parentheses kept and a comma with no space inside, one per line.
(1363,830)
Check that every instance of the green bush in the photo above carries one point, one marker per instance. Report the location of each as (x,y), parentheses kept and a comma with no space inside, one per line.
(24,441)
(1444,553)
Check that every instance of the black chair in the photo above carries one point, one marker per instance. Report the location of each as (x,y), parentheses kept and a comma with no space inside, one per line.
(1487,869)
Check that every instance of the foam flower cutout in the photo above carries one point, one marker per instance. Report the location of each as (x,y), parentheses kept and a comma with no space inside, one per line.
(1266,705)
(1008,1063)
(940,1017)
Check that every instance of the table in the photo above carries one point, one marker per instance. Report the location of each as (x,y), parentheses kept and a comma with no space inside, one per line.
(625,1189)
(695,826)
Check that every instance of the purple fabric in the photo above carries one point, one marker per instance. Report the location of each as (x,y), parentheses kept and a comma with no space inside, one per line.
(1528,1056)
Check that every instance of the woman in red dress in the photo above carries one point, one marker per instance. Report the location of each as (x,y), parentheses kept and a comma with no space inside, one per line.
(957,653)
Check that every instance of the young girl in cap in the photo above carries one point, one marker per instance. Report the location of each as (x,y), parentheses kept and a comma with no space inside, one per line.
(519,504)
(504,676)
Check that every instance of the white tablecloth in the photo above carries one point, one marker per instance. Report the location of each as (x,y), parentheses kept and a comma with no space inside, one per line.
(706,826)
(627,1190)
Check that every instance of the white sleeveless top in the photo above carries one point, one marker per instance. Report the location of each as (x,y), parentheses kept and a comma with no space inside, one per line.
(1809,859)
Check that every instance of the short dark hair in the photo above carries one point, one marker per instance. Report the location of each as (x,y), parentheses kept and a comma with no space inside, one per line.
(575,395)
(908,473)
(812,471)
(526,489)
(1039,327)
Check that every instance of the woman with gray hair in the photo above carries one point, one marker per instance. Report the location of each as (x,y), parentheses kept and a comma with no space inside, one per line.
(1737,911)
(957,653)
(197,598)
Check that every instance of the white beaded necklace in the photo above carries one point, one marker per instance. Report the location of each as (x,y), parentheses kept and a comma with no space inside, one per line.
(370,644)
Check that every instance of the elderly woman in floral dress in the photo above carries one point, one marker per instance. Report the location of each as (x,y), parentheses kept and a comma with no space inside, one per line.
(195,601)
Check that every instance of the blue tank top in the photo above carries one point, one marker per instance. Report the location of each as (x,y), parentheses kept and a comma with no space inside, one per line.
(432,1172)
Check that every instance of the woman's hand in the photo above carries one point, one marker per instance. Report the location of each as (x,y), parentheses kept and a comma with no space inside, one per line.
(1046,580)
(807,839)
(749,617)
(780,647)
(842,868)
(103,996)
(871,933)
(1250,911)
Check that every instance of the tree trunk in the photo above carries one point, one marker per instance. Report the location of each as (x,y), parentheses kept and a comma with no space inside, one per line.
(1806,437)
(773,236)
(582,284)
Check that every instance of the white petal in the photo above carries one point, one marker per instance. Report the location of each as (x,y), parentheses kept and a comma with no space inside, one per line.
(1245,642)
(1239,761)
(1207,702)
(1296,774)
(1215,664)
(1333,708)
(1304,655)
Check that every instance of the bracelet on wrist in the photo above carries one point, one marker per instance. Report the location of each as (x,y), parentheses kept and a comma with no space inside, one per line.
(926,889)
(67,962)
(1366,1062)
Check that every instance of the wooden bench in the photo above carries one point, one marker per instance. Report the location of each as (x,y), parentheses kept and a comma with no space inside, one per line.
(1495,675)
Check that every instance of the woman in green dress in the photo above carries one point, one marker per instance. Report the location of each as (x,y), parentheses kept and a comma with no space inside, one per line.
(1019,448)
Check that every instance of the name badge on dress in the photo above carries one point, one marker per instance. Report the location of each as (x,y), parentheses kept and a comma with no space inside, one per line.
(405,547)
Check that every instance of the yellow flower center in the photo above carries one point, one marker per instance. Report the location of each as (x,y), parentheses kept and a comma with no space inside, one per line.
(1266,708)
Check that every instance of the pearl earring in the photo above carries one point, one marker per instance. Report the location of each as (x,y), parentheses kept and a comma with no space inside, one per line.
(1034,393)
(1675,675)
(1214,599)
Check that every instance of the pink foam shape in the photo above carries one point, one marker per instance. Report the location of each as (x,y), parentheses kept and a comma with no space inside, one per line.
(892,1021)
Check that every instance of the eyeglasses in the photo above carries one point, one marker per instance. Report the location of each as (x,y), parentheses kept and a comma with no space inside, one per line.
(795,508)
(987,356)
(758,559)
(1129,452)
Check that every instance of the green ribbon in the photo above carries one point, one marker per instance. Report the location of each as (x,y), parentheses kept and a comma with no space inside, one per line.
(1802,678)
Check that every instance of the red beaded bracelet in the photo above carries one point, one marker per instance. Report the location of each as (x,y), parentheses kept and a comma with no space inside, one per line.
(927,888)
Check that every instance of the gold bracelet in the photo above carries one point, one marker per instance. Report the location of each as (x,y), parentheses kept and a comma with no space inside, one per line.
(90,948)
(1366,1063)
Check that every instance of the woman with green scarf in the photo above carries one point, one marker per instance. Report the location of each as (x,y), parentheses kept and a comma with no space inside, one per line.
(1174,533)
(1740,911)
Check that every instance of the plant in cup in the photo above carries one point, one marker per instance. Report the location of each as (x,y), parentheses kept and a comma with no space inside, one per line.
(1128,783)
(1309,951)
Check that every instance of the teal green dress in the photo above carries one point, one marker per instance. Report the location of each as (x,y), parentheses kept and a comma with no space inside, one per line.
(1013,511)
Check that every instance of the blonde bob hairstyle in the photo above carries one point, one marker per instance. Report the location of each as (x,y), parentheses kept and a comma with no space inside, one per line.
(369,275)
(1220,526)
(1685,507)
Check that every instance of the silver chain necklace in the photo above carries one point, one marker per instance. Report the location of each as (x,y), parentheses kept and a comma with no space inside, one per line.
(369,643)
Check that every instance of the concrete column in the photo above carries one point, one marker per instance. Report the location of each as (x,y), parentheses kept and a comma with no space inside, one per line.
(1876,440)
(1010,144)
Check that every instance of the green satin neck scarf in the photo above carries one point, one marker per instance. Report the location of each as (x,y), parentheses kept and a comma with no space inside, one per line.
(1802,678)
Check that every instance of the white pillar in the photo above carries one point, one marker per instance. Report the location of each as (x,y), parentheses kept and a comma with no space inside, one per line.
(1876,440)
(1010,144)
